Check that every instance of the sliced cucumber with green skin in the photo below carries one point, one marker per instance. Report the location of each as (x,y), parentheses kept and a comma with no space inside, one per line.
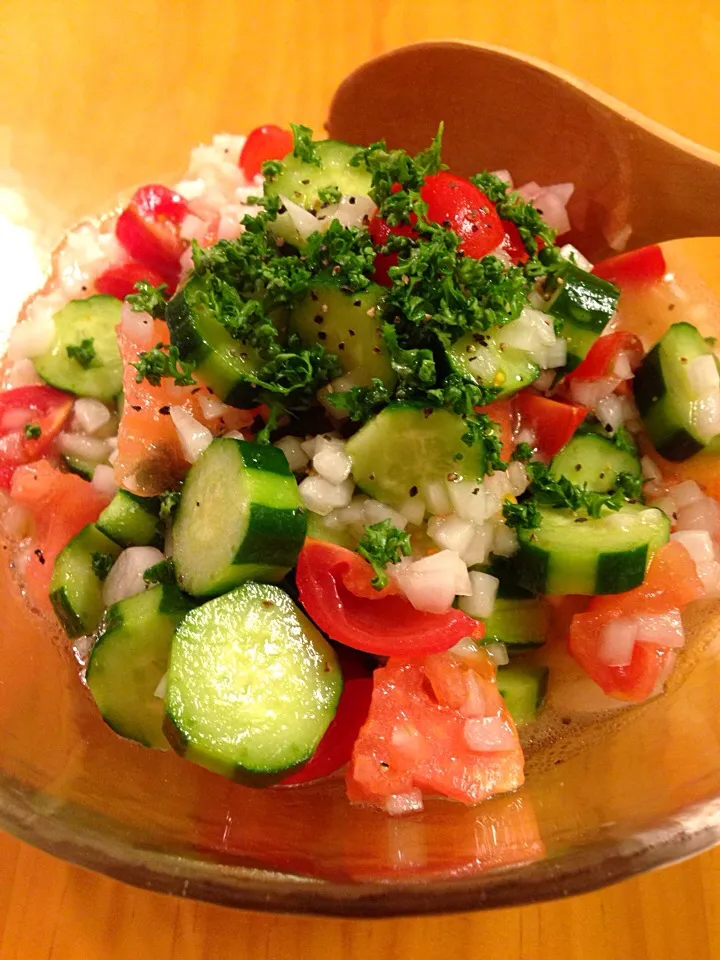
(584,304)
(594,462)
(224,364)
(407,446)
(569,553)
(519,620)
(523,688)
(75,588)
(93,319)
(664,396)
(345,324)
(132,521)
(129,660)
(83,468)
(252,685)
(480,357)
(240,518)
(301,182)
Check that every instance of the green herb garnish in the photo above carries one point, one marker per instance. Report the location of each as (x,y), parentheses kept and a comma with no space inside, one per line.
(304,147)
(163,361)
(169,501)
(32,431)
(101,564)
(381,544)
(162,572)
(149,299)
(82,353)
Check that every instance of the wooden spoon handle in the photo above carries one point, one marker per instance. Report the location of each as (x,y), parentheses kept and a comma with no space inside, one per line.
(636,181)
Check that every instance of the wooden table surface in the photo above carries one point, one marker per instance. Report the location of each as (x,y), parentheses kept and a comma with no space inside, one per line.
(88,90)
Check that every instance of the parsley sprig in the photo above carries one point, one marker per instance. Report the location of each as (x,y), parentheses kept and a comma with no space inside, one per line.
(162,362)
(381,544)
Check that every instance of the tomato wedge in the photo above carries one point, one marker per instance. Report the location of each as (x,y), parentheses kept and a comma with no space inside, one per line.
(268,142)
(387,624)
(670,584)
(335,748)
(634,269)
(437,724)
(600,360)
(120,281)
(149,229)
(42,407)
(501,413)
(512,243)
(553,422)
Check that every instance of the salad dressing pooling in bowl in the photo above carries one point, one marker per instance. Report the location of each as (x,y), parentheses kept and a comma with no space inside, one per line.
(327,458)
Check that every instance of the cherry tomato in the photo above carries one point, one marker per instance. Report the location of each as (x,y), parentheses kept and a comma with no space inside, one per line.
(553,421)
(120,281)
(386,625)
(380,230)
(501,413)
(600,360)
(461,206)
(42,407)
(670,584)
(512,243)
(636,268)
(335,748)
(264,143)
(149,229)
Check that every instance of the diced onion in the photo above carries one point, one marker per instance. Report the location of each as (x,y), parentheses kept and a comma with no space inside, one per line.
(480,602)
(498,652)
(505,541)
(161,688)
(353,514)
(667,505)
(703,514)
(432,583)
(436,496)
(467,498)
(488,735)
(617,642)
(104,480)
(376,512)
(92,449)
(413,509)
(137,327)
(90,415)
(480,546)
(194,437)
(303,221)
(650,469)
(609,412)
(518,478)
(686,493)
(212,407)
(554,355)
(707,415)
(662,629)
(352,210)
(321,497)
(331,461)
(22,373)
(399,803)
(569,252)
(451,533)
(590,392)
(698,544)
(32,337)
(294,454)
(497,485)
(126,575)
(622,369)
(702,374)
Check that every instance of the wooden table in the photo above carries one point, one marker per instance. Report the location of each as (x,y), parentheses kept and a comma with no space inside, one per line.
(85,88)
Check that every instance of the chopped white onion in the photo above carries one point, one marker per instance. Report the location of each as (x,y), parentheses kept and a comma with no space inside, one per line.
(527,434)
(22,373)
(451,533)
(497,652)
(353,514)
(505,541)
(480,546)
(432,583)
(703,514)
(126,575)
(622,369)
(212,407)
(413,509)
(686,493)
(553,356)
(32,337)
(467,498)
(707,415)
(92,449)
(517,478)
(702,374)
(321,497)
(352,210)
(533,332)
(139,328)
(303,221)
(308,446)
(331,461)
(16,521)
(104,480)
(194,437)
(617,642)
(497,485)
(590,392)
(609,412)
(667,505)
(436,496)
(569,252)
(407,742)
(698,544)
(89,415)
(551,205)
(488,735)
(662,629)
(480,602)
(161,688)
(294,454)
(398,804)
(376,512)
(650,469)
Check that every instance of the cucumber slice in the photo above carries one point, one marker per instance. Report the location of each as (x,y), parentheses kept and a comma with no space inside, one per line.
(130,659)
(83,468)
(132,521)
(93,319)
(523,688)
(665,398)
(568,553)
(407,446)
(519,620)
(480,357)
(240,518)
(75,587)
(252,685)
(595,462)
(300,181)
(224,364)
(584,304)
(345,324)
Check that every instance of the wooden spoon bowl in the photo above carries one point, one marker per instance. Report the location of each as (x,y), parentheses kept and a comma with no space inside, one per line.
(504,110)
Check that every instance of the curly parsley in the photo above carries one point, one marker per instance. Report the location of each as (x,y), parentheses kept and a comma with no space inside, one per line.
(32,431)
(381,544)
(101,564)
(162,362)
(82,353)
(169,501)
(149,299)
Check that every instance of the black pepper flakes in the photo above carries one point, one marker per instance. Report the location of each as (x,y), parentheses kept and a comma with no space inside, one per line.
(165,411)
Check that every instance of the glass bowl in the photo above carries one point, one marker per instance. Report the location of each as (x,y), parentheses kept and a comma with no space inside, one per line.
(639,791)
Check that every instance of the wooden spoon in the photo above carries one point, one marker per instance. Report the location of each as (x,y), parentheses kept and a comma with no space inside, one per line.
(504,110)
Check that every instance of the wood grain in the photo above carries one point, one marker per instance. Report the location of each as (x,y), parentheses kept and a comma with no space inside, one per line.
(95,97)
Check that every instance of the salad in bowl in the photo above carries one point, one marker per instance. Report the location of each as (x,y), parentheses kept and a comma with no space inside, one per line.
(326,457)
